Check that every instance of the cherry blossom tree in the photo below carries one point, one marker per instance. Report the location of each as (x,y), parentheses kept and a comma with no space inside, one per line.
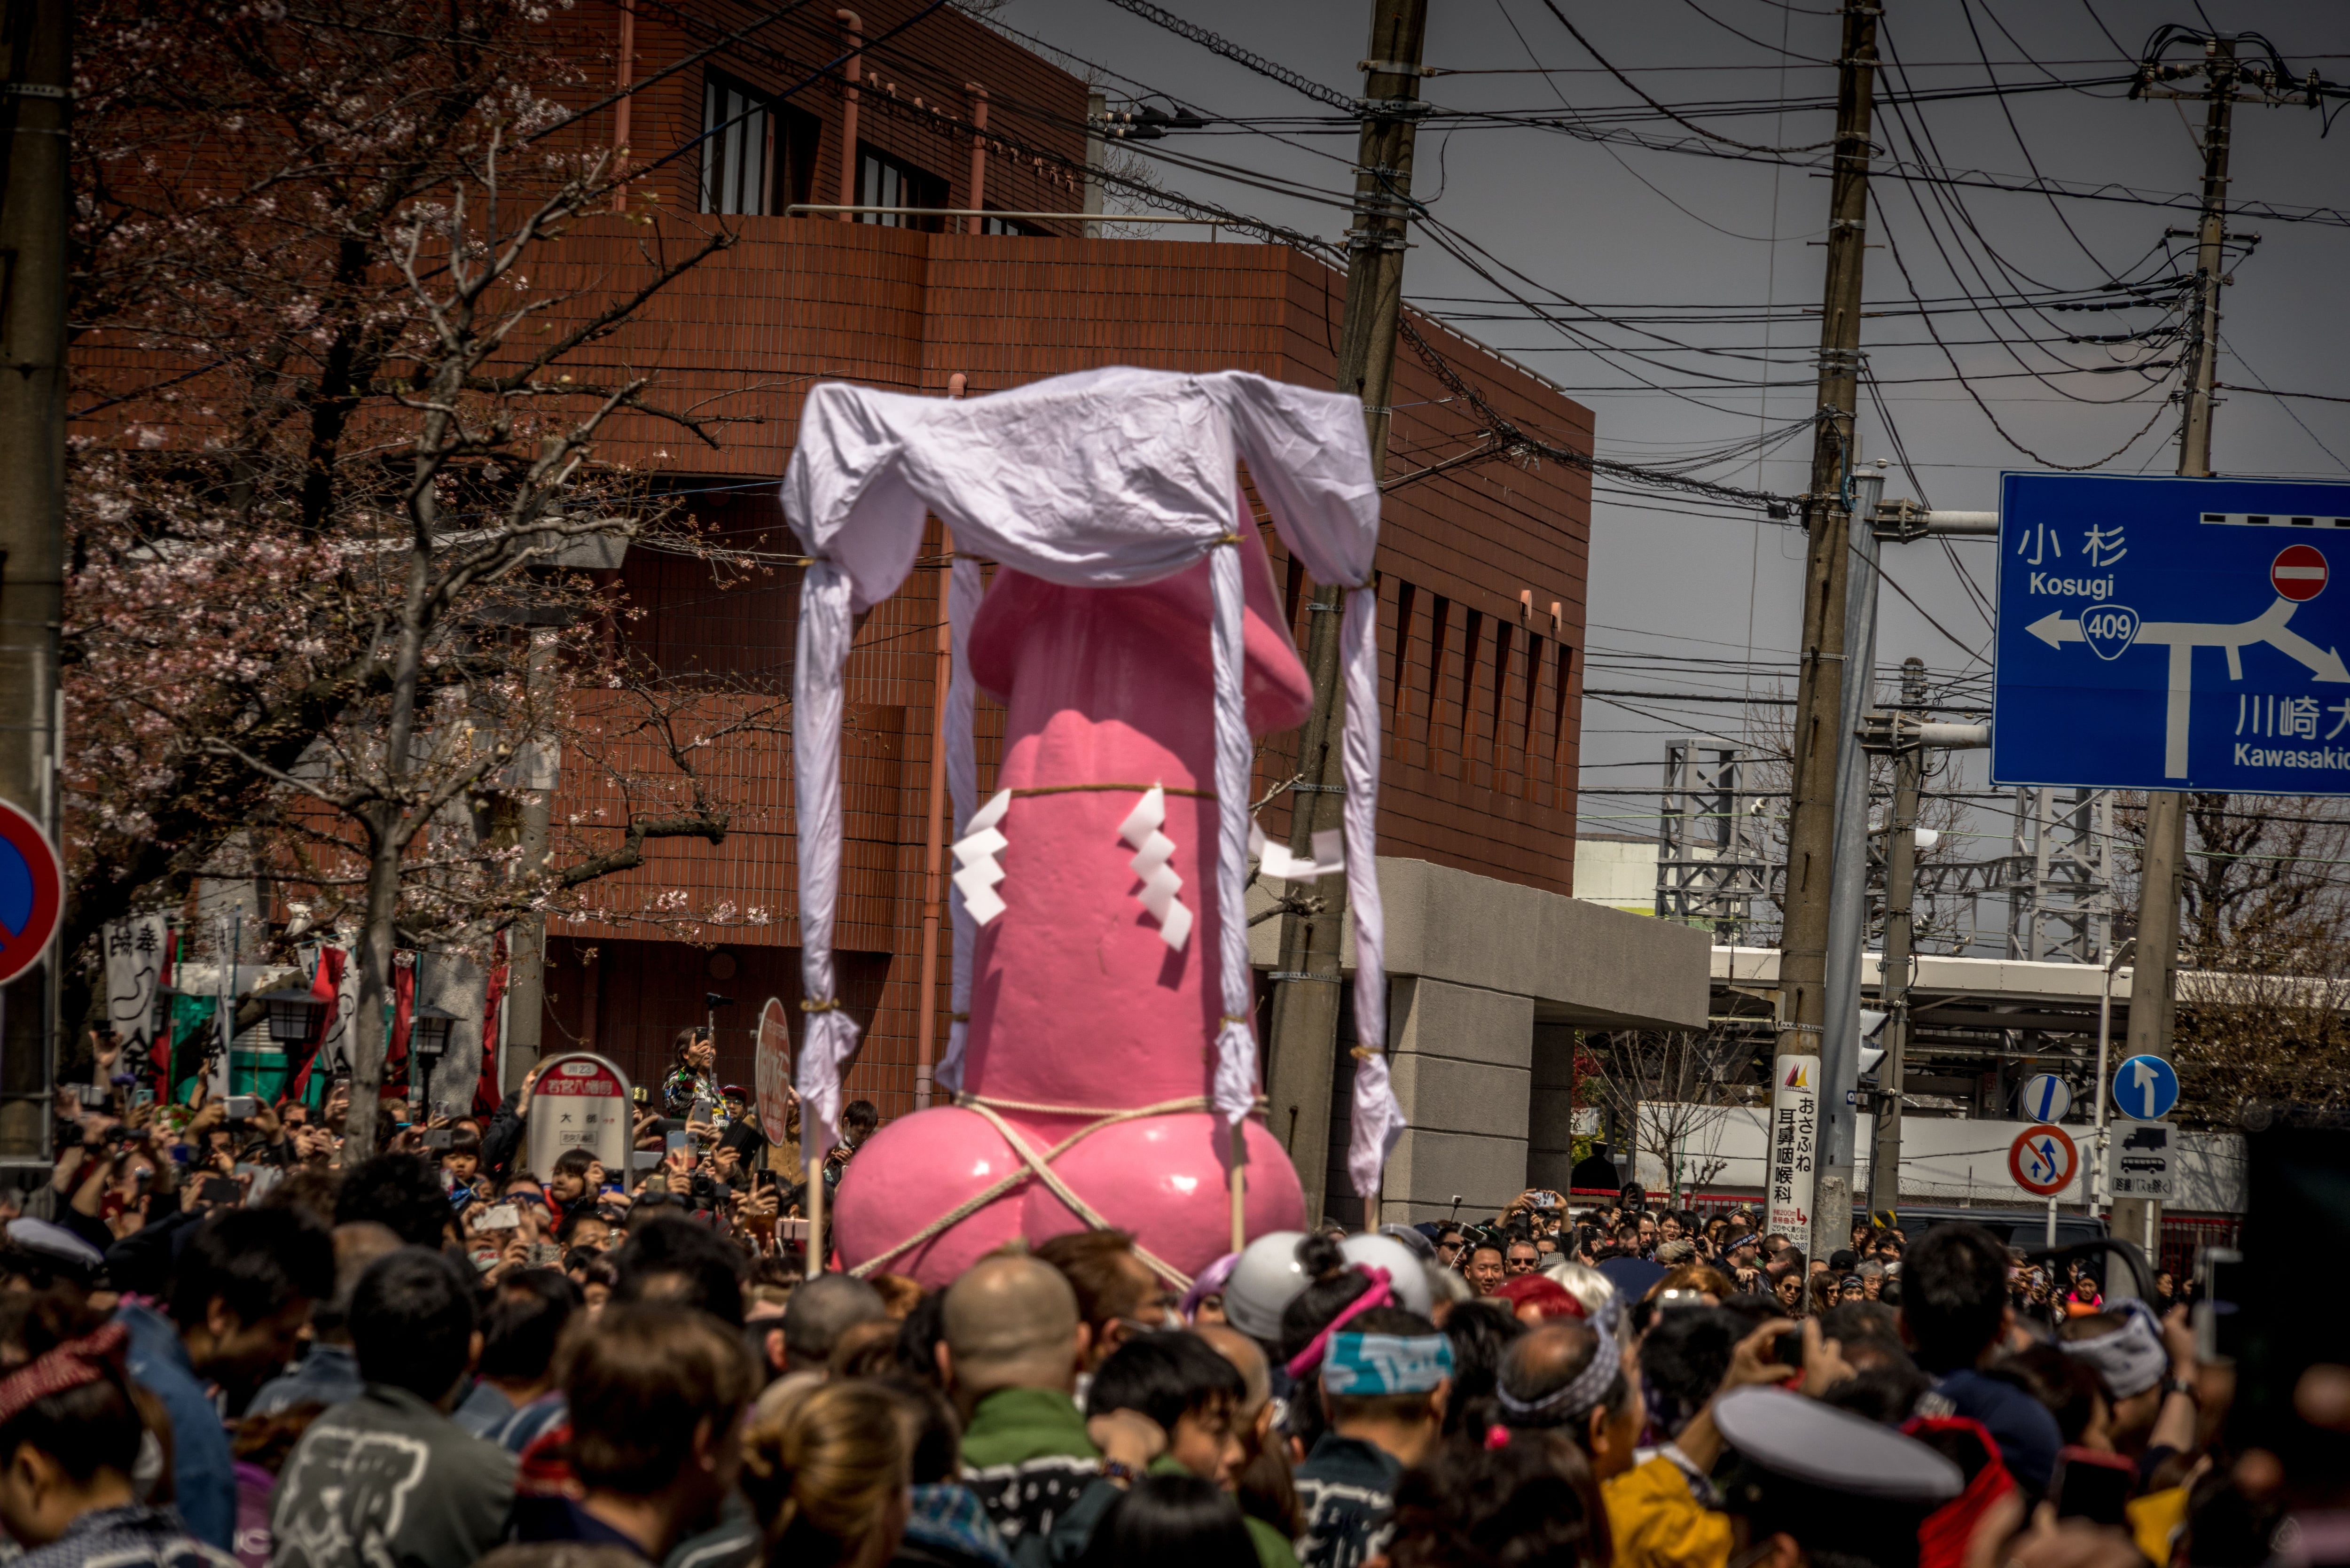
(335,480)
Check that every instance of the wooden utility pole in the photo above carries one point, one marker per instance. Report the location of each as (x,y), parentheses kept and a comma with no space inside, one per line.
(2154,1002)
(35,113)
(1819,693)
(1302,1055)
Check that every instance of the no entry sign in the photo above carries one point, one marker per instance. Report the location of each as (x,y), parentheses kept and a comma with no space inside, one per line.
(32,892)
(2299,573)
(2042,1160)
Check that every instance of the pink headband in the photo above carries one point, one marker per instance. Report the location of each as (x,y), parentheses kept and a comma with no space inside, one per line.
(1307,1359)
(69,1366)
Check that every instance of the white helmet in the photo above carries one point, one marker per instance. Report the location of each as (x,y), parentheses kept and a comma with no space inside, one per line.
(1405,1276)
(1265,1280)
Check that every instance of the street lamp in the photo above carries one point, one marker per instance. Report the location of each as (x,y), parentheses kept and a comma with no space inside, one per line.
(428,1038)
(2128,945)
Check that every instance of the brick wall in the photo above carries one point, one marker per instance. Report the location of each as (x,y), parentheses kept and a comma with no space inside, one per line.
(1480,700)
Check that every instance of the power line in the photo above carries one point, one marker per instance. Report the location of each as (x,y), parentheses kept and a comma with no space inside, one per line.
(1217,44)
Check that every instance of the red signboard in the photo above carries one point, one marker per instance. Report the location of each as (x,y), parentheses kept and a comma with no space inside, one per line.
(580,1101)
(773,1065)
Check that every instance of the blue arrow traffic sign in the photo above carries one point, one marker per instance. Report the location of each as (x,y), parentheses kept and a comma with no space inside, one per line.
(2044,1097)
(2146,1088)
(2172,634)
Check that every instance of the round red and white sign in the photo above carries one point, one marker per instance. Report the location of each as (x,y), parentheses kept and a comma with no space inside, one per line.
(2299,573)
(2043,1159)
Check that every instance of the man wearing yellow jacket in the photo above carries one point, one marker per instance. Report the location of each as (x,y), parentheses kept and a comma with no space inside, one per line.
(1577,1377)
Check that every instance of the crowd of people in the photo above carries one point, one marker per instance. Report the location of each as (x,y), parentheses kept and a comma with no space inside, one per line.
(1729,1253)
(221,1340)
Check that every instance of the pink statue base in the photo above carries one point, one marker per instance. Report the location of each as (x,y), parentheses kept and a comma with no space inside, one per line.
(1162,1179)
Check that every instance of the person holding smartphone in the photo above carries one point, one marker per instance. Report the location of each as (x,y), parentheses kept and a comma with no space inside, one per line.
(691,1092)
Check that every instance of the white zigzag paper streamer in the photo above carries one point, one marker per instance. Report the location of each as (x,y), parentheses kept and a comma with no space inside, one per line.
(1275,860)
(1161,881)
(976,872)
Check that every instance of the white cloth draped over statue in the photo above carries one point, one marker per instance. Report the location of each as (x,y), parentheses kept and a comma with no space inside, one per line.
(1107,478)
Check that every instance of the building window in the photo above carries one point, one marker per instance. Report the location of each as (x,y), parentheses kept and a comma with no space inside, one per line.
(884,181)
(735,146)
(992,224)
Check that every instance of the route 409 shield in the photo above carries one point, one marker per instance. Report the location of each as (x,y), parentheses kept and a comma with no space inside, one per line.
(2161,633)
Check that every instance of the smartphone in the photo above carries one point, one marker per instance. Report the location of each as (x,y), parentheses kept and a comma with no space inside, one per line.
(2091,1485)
(701,1111)
(1546,1199)
(95,1096)
(220,1192)
(241,1108)
(143,1096)
(500,1216)
(1787,1350)
(1667,1300)
(436,1137)
(678,1141)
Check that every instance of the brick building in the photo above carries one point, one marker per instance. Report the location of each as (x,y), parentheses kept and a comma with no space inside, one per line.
(735,115)
(1482,568)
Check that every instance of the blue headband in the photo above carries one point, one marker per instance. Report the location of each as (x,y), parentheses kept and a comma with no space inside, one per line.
(1360,1365)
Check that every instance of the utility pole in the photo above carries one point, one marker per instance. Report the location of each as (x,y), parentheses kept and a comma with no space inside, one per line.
(1848,903)
(1302,1053)
(1900,938)
(2154,1004)
(1828,509)
(37,47)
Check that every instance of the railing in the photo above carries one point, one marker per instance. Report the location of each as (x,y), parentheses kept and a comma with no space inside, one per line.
(823,209)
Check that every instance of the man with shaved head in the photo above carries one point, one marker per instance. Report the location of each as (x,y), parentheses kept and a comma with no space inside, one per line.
(1010,1352)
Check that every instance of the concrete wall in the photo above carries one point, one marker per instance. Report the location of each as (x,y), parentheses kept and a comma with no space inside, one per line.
(1462,1059)
(1618,872)
(1488,983)
(1550,1139)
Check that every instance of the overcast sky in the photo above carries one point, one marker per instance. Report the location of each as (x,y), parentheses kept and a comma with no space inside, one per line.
(1639,233)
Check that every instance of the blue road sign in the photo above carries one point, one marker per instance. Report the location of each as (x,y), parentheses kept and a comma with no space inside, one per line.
(2146,1088)
(2172,634)
(2044,1097)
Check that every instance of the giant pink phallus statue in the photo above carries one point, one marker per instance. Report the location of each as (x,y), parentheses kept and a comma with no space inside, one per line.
(1104,1056)
(1078,1001)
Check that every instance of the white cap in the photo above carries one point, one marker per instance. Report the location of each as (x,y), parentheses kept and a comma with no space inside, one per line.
(1405,1276)
(55,1243)
(1836,1451)
(1265,1280)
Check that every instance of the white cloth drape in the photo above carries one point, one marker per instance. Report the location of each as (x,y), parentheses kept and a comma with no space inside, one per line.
(1108,478)
(1235,1082)
(830,1036)
(1377,1121)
